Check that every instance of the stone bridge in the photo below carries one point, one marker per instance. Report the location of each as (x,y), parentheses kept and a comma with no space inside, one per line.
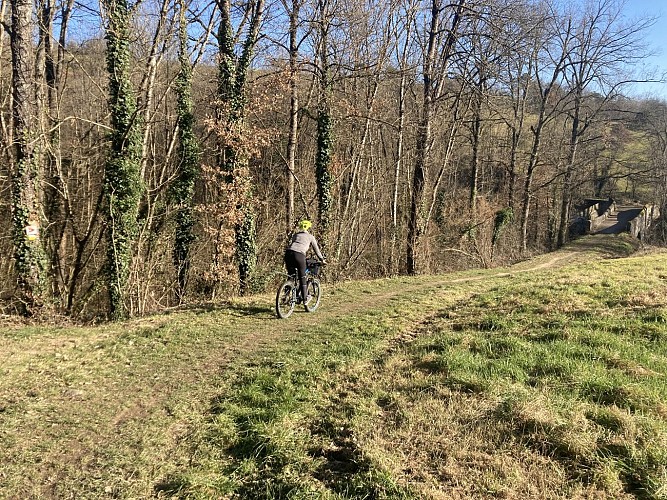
(607,217)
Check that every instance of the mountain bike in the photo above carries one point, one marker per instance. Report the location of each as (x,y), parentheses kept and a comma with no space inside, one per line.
(289,292)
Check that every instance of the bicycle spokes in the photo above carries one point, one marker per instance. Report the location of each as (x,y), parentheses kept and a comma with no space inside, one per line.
(285,300)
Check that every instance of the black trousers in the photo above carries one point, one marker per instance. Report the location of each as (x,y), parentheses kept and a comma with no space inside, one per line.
(297,261)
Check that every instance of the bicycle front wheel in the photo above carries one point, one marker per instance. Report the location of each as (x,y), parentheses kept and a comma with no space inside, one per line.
(314,295)
(285,300)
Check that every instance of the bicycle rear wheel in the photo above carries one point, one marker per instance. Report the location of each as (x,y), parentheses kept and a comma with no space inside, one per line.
(285,300)
(314,295)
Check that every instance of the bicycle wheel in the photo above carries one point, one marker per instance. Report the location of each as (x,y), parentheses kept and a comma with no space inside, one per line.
(285,300)
(314,295)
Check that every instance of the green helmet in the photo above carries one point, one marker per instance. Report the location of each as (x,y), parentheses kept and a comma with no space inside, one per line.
(305,224)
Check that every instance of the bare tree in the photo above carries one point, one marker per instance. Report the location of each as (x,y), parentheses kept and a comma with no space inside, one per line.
(49,70)
(404,26)
(520,40)
(293,9)
(547,64)
(367,45)
(654,114)
(438,51)
(599,47)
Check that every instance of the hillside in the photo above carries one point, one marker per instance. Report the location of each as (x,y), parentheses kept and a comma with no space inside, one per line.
(543,380)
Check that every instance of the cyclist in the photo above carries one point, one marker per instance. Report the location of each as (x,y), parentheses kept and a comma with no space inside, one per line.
(295,255)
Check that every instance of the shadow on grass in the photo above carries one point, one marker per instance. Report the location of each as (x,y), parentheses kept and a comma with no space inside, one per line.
(241,310)
(344,468)
(607,246)
(170,487)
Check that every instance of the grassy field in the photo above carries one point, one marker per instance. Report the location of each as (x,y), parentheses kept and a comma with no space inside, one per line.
(544,380)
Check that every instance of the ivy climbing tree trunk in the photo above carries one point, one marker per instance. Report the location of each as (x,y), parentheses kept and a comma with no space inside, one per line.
(232,79)
(122,179)
(323,174)
(182,191)
(28,251)
(325,140)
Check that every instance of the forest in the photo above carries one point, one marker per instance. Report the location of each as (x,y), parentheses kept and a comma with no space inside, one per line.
(160,152)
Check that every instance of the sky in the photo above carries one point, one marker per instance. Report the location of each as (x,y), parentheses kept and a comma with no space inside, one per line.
(656,39)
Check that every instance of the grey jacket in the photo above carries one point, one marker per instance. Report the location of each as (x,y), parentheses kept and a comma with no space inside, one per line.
(302,241)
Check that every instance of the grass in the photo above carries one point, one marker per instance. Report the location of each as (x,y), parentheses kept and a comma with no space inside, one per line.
(546,380)
(562,366)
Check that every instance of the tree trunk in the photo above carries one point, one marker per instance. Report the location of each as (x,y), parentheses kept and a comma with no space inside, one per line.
(528,183)
(55,196)
(182,190)
(29,255)
(432,88)
(324,178)
(292,137)
(122,180)
(476,139)
(417,200)
(393,261)
(566,201)
(325,139)
(232,79)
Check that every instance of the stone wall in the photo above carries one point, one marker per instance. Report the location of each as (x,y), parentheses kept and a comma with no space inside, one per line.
(592,213)
(643,221)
